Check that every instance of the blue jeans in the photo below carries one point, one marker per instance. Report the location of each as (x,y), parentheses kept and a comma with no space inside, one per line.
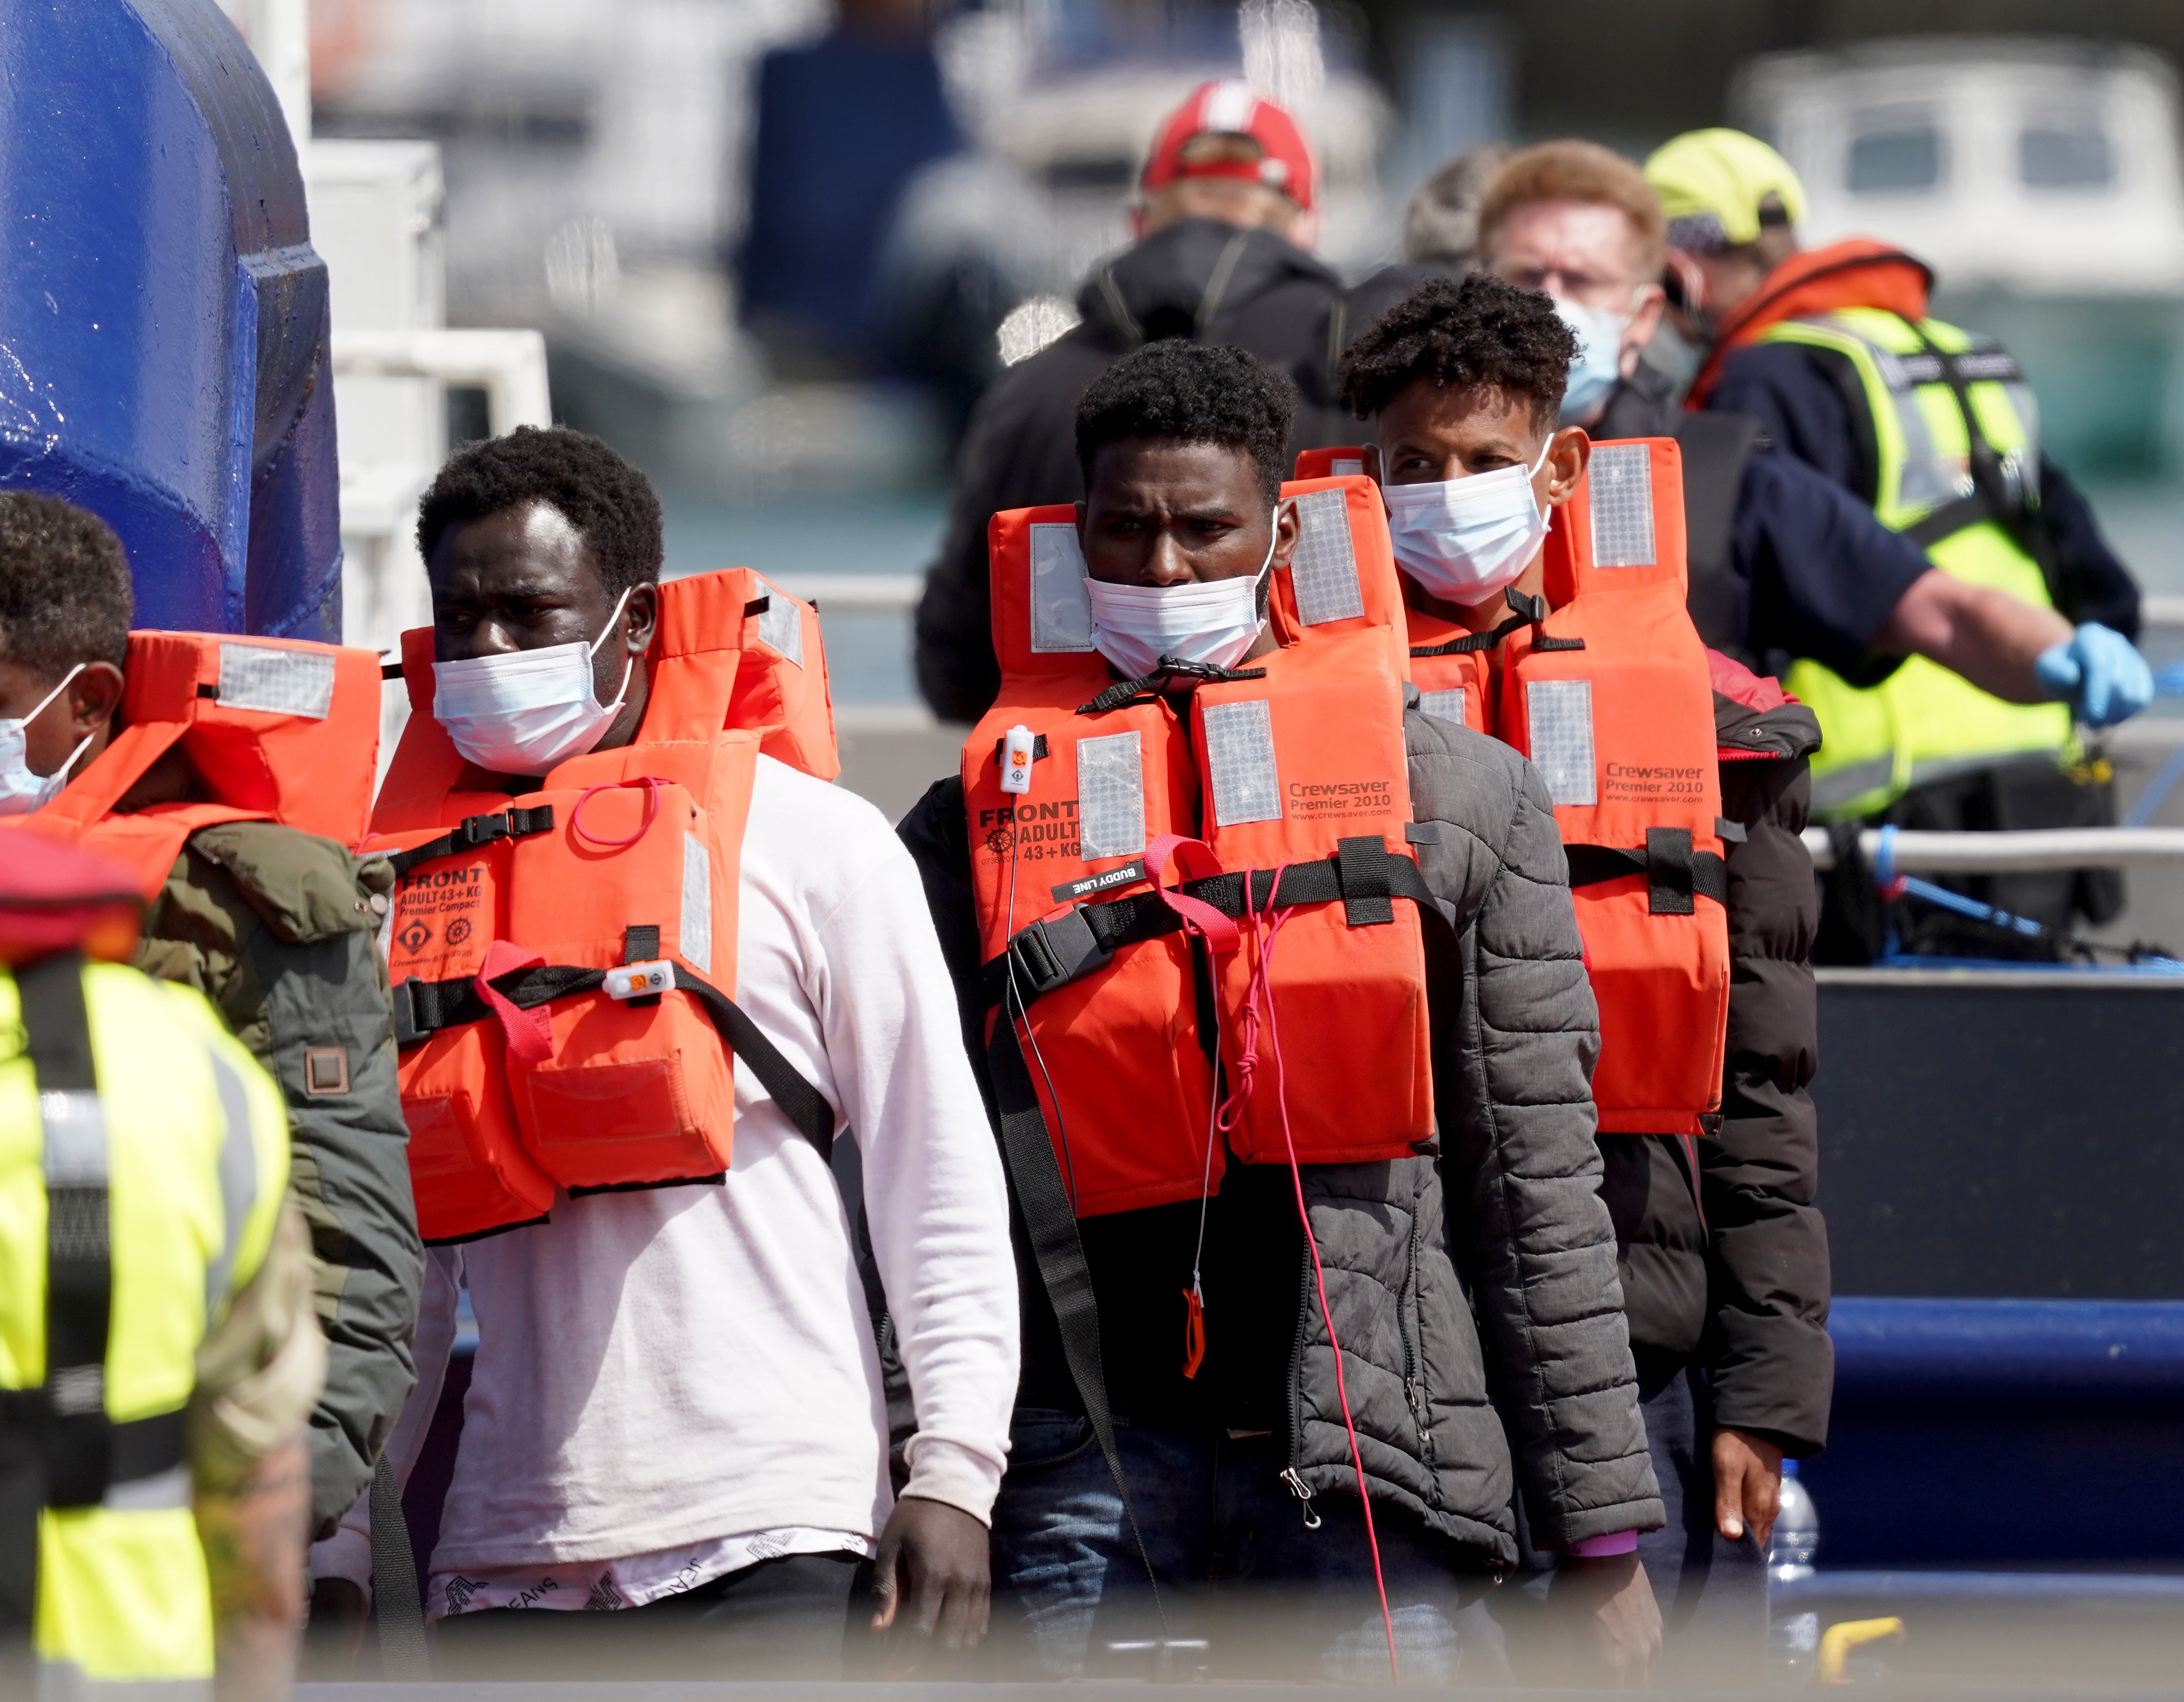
(1247,1589)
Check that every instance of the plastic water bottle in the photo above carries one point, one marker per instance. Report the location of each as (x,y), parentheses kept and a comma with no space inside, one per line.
(1793,1633)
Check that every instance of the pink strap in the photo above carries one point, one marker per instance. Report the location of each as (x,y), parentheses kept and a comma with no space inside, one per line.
(651,809)
(1601,1547)
(1193,860)
(530,1033)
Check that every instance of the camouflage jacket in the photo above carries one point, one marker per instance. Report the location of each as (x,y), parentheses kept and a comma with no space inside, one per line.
(277,929)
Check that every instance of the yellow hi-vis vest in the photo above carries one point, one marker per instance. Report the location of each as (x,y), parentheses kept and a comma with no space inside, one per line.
(143,1156)
(1928,387)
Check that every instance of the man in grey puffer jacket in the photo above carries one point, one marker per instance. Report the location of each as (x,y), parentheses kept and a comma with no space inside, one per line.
(1484,1353)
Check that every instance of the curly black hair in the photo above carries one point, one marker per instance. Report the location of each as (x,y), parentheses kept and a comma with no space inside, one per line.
(609,502)
(1197,393)
(65,591)
(1478,333)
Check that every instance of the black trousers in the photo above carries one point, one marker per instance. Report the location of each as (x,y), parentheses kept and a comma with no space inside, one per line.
(788,1618)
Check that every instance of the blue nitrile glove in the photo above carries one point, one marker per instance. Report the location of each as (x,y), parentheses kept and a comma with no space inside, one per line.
(2099,673)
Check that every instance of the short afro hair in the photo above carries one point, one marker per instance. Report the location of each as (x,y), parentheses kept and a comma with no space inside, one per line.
(1192,393)
(1478,333)
(65,594)
(611,504)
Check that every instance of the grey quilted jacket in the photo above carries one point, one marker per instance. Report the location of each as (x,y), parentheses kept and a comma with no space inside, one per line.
(1474,1294)
(1489,1323)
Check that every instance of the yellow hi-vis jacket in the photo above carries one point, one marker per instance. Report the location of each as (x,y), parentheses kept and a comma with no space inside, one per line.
(1928,385)
(144,1157)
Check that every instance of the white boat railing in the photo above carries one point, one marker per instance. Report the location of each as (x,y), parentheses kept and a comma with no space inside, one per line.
(1918,852)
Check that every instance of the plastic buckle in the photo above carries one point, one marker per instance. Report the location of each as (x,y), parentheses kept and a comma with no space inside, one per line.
(407,1030)
(481,830)
(1053,951)
(639,981)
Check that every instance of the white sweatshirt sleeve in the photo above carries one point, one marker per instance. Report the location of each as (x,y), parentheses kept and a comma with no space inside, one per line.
(933,1191)
(347,1552)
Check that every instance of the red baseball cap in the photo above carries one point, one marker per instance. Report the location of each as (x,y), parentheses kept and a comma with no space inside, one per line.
(1233,106)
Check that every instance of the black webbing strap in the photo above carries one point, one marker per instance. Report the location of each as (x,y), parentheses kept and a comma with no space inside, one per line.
(452,1002)
(398,1609)
(474,831)
(1530,611)
(1172,673)
(1674,872)
(1051,1223)
(1058,950)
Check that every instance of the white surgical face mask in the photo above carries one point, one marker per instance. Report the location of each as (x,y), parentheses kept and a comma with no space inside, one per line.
(1598,367)
(21,791)
(1212,621)
(1465,538)
(524,711)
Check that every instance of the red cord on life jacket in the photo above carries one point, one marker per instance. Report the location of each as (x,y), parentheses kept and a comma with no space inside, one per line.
(1266,928)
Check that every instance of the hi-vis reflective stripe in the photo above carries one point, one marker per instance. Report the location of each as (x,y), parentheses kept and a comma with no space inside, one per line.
(1324,569)
(1239,749)
(1620,479)
(697,918)
(1442,706)
(781,623)
(279,681)
(1060,607)
(64,1681)
(1111,796)
(1559,716)
(238,1177)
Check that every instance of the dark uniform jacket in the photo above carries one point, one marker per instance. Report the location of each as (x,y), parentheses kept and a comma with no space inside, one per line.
(1474,1294)
(1197,278)
(277,927)
(1734,1274)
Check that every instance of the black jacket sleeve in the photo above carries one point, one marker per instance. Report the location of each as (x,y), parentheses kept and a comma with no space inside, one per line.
(1769,1359)
(2106,591)
(1801,400)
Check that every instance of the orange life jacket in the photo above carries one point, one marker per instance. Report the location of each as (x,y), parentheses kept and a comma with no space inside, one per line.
(1856,271)
(563,962)
(1142,816)
(1610,696)
(275,729)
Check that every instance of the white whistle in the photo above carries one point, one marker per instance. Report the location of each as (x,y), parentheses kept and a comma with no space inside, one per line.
(639,981)
(1016,759)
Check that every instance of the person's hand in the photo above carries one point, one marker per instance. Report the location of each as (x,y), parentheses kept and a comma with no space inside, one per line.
(933,1575)
(2098,672)
(1616,1599)
(1747,1485)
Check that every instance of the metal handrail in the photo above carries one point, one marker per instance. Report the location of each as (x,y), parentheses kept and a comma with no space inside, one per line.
(1919,852)
(863,594)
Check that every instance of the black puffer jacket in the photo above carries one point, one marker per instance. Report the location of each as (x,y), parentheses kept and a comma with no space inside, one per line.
(1197,278)
(1474,1294)
(1745,1288)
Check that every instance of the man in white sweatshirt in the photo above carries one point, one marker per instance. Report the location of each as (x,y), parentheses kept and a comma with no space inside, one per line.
(675,1442)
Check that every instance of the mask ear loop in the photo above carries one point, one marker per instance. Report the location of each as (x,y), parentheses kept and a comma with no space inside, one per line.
(622,692)
(51,785)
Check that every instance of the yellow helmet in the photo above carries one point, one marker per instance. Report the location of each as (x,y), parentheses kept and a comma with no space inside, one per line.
(1712,183)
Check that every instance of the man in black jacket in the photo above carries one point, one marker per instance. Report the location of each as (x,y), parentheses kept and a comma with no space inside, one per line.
(1225,230)
(1722,1252)
(1472,1287)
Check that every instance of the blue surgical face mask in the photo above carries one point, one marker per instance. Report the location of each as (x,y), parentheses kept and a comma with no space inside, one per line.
(1465,538)
(21,791)
(1598,367)
(1211,621)
(525,712)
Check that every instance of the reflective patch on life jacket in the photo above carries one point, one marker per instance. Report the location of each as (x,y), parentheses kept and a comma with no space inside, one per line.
(1111,796)
(279,682)
(781,624)
(1325,570)
(1240,749)
(1620,481)
(1443,705)
(1060,607)
(1559,715)
(696,933)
